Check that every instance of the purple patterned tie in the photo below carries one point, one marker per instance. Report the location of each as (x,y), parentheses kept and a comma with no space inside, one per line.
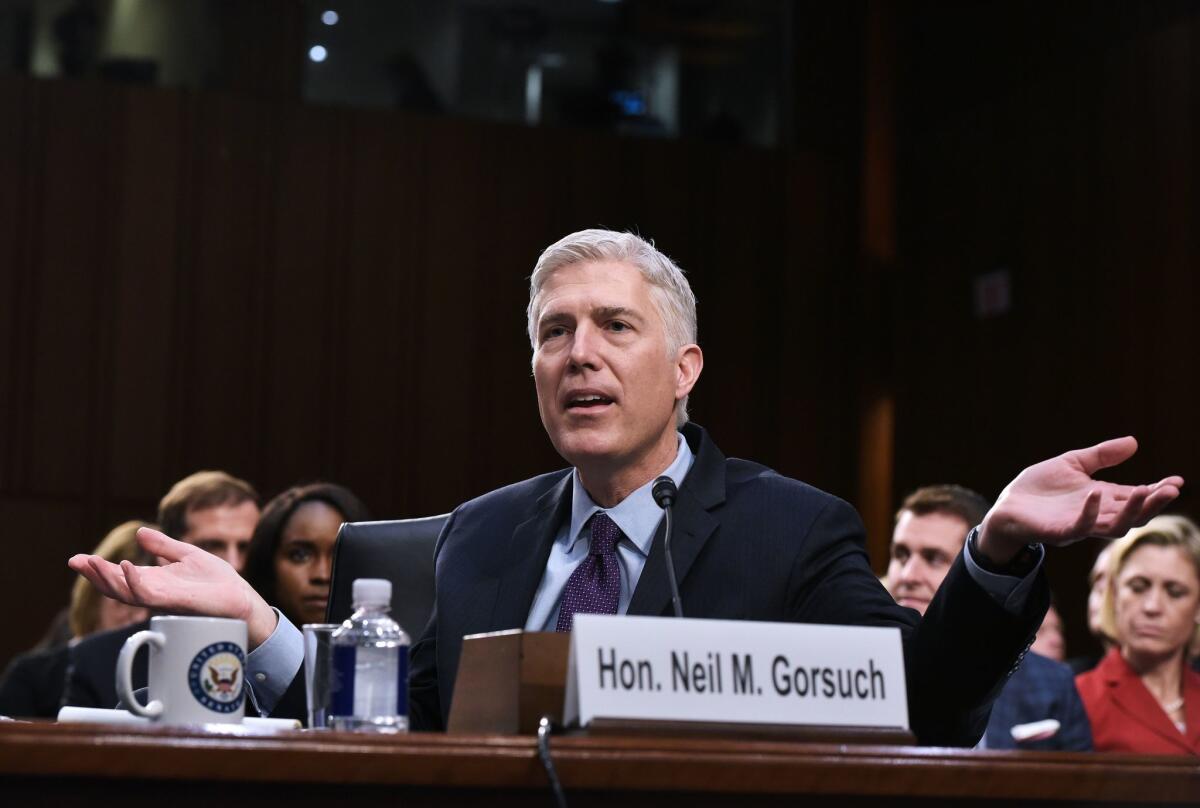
(595,585)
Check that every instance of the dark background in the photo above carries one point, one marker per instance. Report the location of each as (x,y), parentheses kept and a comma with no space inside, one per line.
(931,242)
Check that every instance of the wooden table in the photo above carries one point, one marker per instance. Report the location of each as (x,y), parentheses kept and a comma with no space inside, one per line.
(45,763)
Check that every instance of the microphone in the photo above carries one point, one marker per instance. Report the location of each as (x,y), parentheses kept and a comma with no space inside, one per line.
(664,492)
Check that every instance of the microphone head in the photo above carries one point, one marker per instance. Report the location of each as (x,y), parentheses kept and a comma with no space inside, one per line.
(664,491)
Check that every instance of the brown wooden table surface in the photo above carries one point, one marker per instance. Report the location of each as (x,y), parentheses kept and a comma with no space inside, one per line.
(64,764)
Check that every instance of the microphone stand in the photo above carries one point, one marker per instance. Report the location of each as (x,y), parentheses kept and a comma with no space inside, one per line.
(664,492)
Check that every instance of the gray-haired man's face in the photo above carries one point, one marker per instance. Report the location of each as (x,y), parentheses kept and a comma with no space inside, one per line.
(605,383)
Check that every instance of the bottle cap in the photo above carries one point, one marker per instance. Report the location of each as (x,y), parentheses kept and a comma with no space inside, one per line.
(371,592)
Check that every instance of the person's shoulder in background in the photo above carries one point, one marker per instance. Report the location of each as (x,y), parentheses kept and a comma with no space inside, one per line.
(33,683)
(92,664)
(1040,689)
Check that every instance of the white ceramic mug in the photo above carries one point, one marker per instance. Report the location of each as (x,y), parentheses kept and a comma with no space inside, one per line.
(197,668)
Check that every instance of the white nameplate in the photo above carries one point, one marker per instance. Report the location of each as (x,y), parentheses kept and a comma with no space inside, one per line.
(668,669)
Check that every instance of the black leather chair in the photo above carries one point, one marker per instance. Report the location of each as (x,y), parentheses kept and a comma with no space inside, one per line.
(402,552)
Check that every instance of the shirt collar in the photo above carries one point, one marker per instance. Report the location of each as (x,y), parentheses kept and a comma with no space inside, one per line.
(638,514)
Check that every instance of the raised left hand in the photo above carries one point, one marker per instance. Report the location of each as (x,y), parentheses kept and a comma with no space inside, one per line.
(1058,502)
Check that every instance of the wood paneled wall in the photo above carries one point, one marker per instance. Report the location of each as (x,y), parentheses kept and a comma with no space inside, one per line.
(1081,180)
(192,280)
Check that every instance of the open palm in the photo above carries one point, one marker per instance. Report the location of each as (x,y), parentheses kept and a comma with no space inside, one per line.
(1059,502)
(192,581)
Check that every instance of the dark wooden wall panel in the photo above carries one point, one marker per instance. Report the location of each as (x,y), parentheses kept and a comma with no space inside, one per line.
(223,286)
(137,387)
(740,243)
(70,274)
(443,387)
(287,293)
(815,410)
(1081,182)
(15,157)
(661,191)
(381,320)
(300,307)
(596,177)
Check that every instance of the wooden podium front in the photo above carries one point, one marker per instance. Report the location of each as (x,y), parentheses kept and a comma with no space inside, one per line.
(508,680)
(89,765)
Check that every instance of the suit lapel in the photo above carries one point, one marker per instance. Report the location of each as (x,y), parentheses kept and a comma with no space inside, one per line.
(1133,699)
(702,490)
(529,547)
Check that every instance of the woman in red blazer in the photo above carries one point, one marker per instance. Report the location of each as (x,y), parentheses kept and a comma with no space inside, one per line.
(1143,697)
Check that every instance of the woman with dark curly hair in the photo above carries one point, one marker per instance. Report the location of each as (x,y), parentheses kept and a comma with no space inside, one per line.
(290,560)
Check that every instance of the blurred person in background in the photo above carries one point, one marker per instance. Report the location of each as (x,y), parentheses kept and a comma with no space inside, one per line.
(1143,698)
(1097,583)
(212,510)
(33,684)
(290,560)
(930,533)
(1049,641)
(58,633)
(930,529)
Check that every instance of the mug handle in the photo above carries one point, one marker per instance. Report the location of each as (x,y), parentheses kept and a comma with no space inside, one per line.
(125,673)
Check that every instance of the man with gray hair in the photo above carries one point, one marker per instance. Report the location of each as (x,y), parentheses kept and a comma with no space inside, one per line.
(613,328)
(670,292)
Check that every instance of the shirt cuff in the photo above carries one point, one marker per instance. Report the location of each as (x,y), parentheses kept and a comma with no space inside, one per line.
(1011,592)
(271,666)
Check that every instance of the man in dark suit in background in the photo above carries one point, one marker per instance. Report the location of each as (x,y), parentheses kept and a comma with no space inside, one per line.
(931,529)
(613,326)
(211,510)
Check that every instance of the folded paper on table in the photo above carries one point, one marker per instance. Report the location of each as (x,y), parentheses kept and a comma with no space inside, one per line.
(93,715)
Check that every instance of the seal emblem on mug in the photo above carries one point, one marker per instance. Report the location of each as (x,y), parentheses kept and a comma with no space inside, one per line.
(215,677)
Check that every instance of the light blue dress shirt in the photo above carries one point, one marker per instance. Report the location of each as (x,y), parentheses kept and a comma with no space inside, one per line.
(637,515)
(271,666)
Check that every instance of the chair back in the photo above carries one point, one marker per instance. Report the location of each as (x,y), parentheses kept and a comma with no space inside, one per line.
(399,550)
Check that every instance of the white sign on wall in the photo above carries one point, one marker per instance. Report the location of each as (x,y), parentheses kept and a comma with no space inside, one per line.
(669,669)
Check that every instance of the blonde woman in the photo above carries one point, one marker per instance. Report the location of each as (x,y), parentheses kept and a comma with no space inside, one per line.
(1143,697)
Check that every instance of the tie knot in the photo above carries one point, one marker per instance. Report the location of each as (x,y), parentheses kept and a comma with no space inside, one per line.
(605,534)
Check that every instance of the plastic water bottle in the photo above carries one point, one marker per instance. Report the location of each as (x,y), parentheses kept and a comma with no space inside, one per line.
(369,691)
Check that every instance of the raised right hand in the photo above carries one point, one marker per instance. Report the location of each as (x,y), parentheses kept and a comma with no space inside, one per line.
(192,581)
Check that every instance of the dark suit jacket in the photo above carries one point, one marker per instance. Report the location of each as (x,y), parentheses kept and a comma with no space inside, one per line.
(92,667)
(1127,718)
(1040,689)
(749,544)
(33,683)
